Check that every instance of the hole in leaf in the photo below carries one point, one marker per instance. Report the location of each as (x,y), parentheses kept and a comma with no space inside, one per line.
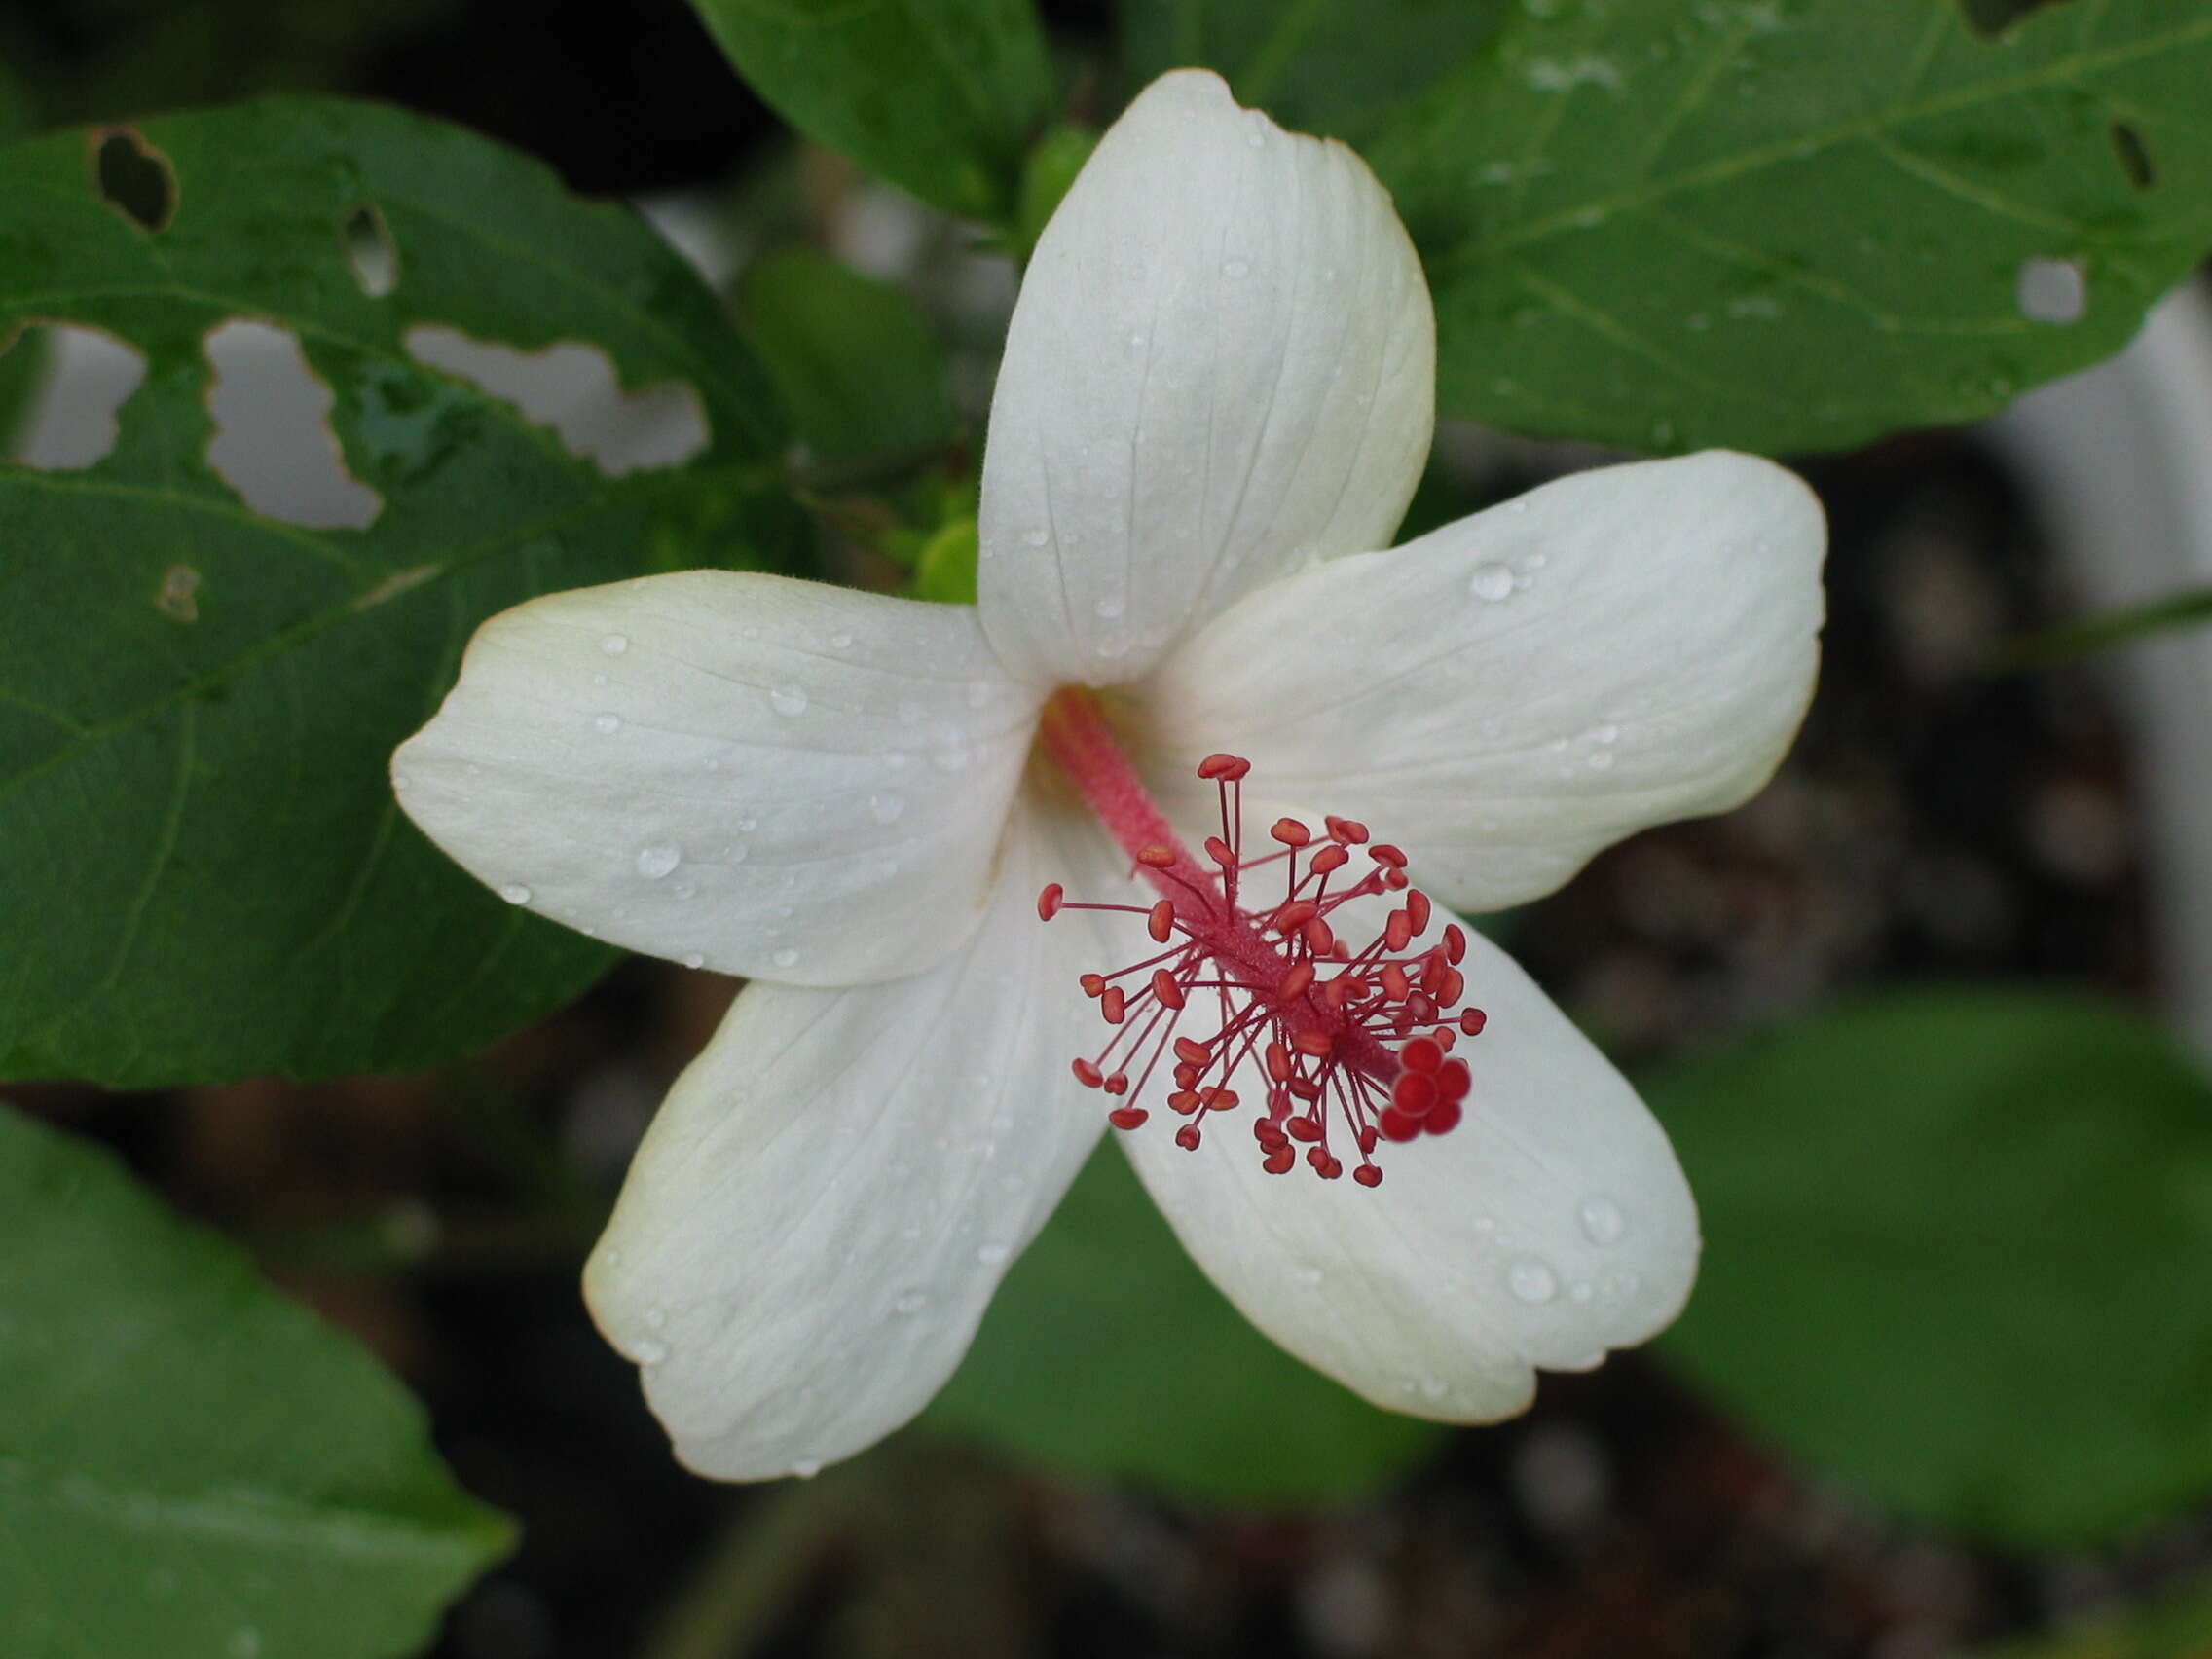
(2052,291)
(573,387)
(84,377)
(370,251)
(272,442)
(2134,155)
(179,584)
(135,178)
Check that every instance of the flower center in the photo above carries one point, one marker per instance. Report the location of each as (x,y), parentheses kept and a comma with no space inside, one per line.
(1353,1046)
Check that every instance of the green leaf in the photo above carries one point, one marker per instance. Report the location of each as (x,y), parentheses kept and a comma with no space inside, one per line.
(1798,224)
(206,874)
(857,363)
(946,573)
(189,1463)
(1107,1352)
(940,97)
(1045,176)
(1343,67)
(1956,1249)
(2176,1626)
(2190,608)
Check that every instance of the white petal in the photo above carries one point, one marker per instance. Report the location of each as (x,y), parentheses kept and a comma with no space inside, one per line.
(769,777)
(833,1192)
(1223,359)
(1551,1225)
(1507,695)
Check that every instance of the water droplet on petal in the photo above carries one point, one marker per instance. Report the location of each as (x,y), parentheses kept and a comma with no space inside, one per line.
(695,959)
(1038,537)
(614,645)
(841,641)
(806,1468)
(1110,607)
(784,957)
(1235,270)
(607,723)
(914,1302)
(1602,1219)
(1491,582)
(654,862)
(991,1255)
(1532,1281)
(650,1352)
(787,699)
(886,808)
(515,893)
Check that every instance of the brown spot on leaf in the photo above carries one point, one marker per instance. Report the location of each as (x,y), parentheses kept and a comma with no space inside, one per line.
(180,583)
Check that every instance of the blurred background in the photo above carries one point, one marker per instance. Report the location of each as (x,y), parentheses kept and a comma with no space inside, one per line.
(1951,817)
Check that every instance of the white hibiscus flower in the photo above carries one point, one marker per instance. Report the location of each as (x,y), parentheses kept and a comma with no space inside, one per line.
(1215,402)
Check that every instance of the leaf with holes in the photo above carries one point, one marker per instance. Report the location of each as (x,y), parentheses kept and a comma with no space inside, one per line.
(940,97)
(1340,67)
(1956,1246)
(1107,1352)
(215,632)
(1799,224)
(189,1462)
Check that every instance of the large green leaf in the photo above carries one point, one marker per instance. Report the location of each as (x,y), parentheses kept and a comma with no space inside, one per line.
(189,1463)
(1343,67)
(1798,224)
(206,875)
(938,95)
(1107,1352)
(1956,1251)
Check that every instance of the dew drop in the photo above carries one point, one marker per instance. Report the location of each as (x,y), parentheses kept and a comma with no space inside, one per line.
(1308,1274)
(1532,1281)
(1137,342)
(735,853)
(1491,582)
(654,862)
(841,642)
(695,959)
(886,808)
(1599,761)
(1602,1219)
(650,1351)
(991,1255)
(1433,1387)
(607,723)
(1235,270)
(1038,537)
(515,893)
(614,645)
(806,1468)
(787,699)
(1110,607)
(914,1302)
(1579,1291)
(784,957)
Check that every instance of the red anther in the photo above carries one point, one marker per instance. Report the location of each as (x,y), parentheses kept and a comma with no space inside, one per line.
(1449,986)
(1127,1117)
(1329,858)
(1116,1082)
(1454,1081)
(1418,907)
(1049,900)
(1295,984)
(1330,1170)
(1220,1099)
(1395,985)
(1087,1074)
(1367,1137)
(1397,1125)
(1398,932)
(1422,1007)
(1383,853)
(1186,1075)
(1290,833)
(1160,924)
(1421,1054)
(1165,991)
(1185,1101)
(1346,831)
(1220,852)
(1444,1037)
(1112,1005)
(1302,1129)
(1268,1135)
(1318,938)
(1472,1021)
(1192,1053)
(1413,1093)
(1325,1166)
(1280,1161)
(1394,880)
(1093,984)
(1156,858)
(1339,991)
(1289,918)
(1302,1088)
(1433,972)
(1319,1044)
(1187,1137)
(1367,1175)
(1443,1119)
(1278,1062)
(1454,944)
(1222,766)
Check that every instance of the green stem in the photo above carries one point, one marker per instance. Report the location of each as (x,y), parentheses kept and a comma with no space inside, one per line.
(2071,640)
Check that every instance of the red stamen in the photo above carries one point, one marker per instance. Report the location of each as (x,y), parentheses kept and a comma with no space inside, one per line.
(1343,1044)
